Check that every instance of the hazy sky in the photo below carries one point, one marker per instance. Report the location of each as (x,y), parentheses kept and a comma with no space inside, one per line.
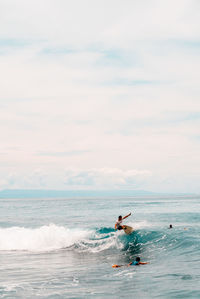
(100,94)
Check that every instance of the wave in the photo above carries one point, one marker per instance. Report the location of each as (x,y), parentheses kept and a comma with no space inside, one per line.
(52,237)
(45,238)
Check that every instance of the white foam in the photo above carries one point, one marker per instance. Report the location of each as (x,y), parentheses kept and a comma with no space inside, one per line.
(99,245)
(52,237)
(45,238)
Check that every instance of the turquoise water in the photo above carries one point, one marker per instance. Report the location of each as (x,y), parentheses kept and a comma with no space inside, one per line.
(65,248)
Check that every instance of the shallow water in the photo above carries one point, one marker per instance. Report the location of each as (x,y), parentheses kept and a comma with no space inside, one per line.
(65,248)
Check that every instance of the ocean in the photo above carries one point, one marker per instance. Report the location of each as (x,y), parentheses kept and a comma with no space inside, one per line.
(65,248)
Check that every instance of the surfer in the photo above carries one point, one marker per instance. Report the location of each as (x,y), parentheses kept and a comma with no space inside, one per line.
(137,262)
(134,263)
(118,224)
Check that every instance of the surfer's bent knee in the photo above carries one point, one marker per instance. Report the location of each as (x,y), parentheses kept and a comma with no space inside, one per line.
(120,227)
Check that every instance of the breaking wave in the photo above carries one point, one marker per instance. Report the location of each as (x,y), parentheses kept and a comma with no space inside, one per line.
(53,237)
(45,238)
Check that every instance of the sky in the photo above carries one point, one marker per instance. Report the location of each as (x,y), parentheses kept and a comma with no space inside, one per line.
(99,94)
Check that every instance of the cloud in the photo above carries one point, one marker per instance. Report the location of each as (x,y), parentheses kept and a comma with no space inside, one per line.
(35,179)
(71,178)
(81,23)
(62,154)
(106,178)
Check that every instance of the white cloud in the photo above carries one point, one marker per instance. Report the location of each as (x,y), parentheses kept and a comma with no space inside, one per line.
(106,178)
(35,179)
(84,22)
(96,178)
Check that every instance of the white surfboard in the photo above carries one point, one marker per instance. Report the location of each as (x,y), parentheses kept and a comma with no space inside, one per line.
(128,229)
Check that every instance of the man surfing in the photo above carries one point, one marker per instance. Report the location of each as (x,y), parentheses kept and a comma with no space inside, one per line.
(118,224)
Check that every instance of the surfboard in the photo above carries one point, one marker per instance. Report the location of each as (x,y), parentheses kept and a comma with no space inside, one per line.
(128,229)
(116,266)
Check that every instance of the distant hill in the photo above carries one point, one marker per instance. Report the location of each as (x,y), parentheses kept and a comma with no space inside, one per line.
(23,194)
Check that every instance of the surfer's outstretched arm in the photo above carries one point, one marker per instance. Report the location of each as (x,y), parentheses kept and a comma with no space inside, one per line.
(140,263)
(126,216)
(130,264)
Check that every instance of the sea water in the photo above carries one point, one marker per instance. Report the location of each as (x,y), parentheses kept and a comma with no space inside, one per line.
(65,248)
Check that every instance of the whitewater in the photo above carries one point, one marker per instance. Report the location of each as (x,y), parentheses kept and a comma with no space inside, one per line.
(65,248)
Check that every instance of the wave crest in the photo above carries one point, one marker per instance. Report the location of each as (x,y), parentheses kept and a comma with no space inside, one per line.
(45,238)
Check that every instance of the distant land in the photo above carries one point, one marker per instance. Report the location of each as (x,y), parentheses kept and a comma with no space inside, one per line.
(42,193)
(31,194)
